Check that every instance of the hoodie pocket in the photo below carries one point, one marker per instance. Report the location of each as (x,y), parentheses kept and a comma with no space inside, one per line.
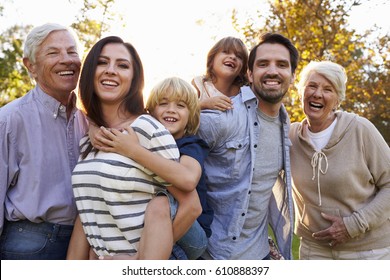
(312,219)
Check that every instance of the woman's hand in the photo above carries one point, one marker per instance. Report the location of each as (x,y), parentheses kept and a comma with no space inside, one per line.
(335,234)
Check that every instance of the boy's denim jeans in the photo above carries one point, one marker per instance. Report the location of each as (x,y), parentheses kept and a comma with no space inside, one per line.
(194,242)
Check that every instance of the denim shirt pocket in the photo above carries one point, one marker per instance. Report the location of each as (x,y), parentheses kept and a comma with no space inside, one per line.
(238,153)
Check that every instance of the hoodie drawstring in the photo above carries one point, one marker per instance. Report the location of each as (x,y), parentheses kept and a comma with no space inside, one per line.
(316,161)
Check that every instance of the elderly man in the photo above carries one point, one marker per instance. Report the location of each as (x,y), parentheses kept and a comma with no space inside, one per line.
(39,137)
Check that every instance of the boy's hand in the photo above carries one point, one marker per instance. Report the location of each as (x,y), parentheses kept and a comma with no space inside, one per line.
(115,141)
(95,135)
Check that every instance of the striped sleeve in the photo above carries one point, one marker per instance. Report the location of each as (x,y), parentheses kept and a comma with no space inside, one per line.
(156,138)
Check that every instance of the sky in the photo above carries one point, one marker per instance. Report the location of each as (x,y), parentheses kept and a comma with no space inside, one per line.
(172,36)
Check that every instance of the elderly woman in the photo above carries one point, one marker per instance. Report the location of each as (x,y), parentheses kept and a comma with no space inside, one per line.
(341,173)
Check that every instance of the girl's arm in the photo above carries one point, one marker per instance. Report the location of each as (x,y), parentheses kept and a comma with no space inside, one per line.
(78,246)
(184,175)
(220,102)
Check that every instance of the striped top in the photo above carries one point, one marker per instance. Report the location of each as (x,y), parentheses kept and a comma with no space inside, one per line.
(112,191)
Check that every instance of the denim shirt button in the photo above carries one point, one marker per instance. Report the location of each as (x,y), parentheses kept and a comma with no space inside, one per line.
(234,238)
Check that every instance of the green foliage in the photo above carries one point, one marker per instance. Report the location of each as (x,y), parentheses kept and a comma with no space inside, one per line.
(15,81)
(93,21)
(319,29)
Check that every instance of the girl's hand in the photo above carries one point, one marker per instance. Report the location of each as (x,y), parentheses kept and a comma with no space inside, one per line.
(221,103)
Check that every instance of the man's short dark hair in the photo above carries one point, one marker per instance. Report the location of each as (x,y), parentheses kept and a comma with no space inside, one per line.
(275,38)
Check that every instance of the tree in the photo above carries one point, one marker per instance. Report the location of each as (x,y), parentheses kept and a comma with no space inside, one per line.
(15,81)
(93,21)
(319,29)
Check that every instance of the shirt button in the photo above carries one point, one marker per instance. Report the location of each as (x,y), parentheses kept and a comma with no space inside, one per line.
(255,146)
(255,123)
(234,238)
(240,146)
(249,192)
(243,214)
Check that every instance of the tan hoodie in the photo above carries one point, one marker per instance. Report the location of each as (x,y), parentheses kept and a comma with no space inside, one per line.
(349,177)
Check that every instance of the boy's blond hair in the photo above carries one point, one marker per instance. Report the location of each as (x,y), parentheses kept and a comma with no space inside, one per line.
(175,88)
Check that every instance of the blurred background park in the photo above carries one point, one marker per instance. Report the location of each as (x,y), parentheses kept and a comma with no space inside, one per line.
(173,38)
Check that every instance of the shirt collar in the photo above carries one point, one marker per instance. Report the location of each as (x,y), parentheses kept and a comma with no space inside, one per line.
(52,104)
(247,94)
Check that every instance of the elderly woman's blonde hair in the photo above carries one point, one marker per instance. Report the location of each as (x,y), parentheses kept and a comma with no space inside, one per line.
(176,89)
(331,71)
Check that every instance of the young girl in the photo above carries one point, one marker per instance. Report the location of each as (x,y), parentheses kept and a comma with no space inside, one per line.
(225,74)
(174,103)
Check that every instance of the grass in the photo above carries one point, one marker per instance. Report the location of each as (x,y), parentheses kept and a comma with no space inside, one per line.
(295,244)
(295,248)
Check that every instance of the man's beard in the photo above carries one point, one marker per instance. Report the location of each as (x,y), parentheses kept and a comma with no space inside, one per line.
(269,96)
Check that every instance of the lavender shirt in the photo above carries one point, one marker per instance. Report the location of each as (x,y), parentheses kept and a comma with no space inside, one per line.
(38,151)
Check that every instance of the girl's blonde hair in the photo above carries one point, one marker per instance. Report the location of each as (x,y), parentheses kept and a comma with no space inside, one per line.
(176,89)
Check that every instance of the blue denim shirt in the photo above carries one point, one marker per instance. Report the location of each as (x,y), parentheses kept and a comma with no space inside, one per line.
(232,137)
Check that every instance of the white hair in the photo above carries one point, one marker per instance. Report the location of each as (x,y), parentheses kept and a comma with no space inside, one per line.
(38,34)
(333,72)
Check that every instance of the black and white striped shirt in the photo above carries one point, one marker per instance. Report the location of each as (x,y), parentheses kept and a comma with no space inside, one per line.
(112,191)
